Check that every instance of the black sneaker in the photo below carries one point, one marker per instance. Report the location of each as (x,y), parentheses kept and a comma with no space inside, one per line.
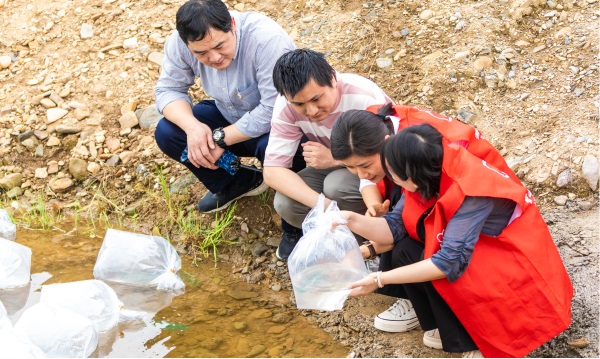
(288,242)
(243,187)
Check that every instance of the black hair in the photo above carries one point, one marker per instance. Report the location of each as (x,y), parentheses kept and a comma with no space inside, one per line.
(294,69)
(360,133)
(196,18)
(416,152)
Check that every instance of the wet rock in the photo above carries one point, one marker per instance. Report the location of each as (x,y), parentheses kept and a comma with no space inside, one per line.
(210,343)
(240,326)
(148,117)
(561,200)
(61,185)
(78,168)
(241,294)
(256,350)
(256,277)
(276,329)
(591,171)
(384,62)
(275,287)
(261,314)
(281,318)
(564,178)
(11,181)
(259,249)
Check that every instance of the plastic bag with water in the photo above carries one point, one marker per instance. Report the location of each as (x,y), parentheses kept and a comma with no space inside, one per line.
(325,260)
(138,259)
(92,299)
(15,264)
(58,332)
(8,230)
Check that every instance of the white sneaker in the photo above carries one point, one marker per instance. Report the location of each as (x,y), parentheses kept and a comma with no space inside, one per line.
(401,317)
(432,339)
(473,354)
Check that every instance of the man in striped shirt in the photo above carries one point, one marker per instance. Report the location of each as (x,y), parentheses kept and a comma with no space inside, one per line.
(311,98)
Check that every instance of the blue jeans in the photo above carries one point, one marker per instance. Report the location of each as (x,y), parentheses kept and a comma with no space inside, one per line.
(172,140)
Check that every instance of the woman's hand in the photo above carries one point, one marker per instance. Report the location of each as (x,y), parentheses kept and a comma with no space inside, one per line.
(378,209)
(364,286)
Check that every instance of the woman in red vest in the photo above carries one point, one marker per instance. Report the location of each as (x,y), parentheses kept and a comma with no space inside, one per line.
(356,140)
(478,262)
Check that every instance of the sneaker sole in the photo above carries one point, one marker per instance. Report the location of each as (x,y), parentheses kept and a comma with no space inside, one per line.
(255,192)
(394,326)
(432,343)
(278,256)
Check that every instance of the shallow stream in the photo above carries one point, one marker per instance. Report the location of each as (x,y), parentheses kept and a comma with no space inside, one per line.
(217,316)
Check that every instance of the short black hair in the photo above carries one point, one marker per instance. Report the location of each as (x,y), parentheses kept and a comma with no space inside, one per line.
(294,69)
(360,133)
(416,152)
(196,18)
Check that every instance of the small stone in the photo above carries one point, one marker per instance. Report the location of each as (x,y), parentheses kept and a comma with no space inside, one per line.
(256,350)
(259,249)
(130,43)
(78,168)
(578,343)
(5,61)
(156,57)
(61,185)
(113,161)
(591,171)
(93,167)
(25,135)
(81,113)
(240,326)
(47,103)
(86,32)
(564,178)
(52,167)
(276,329)
(460,25)
(55,114)
(462,55)
(15,192)
(465,115)
(41,172)
(384,62)
(426,14)
(53,141)
(149,116)
(239,6)
(585,205)
(112,144)
(129,107)
(483,63)
(128,120)
(126,156)
(276,287)
(39,150)
(11,181)
(561,200)
(241,294)
(68,129)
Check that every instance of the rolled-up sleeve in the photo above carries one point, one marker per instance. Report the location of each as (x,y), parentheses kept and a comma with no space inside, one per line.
(395,221)
(176,76)
(257,122)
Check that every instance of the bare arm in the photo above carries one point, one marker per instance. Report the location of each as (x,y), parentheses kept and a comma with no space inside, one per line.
(287,182)
(374,229)
(376,206)
(422,271)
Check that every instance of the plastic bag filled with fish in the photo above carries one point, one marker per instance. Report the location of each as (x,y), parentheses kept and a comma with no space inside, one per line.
(58,332)
(138,259)
(325,260)
(15,264)
(8,230)
(93,299)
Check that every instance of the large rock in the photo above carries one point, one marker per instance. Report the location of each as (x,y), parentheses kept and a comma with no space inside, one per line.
(591,171)
(78,168)
(11,181)
(148,116)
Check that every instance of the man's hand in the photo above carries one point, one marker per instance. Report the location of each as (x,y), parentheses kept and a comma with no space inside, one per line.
(201,147)
(318,156)
(378,209)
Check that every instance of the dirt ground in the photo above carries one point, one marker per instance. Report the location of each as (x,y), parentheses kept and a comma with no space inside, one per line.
(524,72)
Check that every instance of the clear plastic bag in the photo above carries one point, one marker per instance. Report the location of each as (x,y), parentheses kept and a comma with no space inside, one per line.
(16,347)
(92,299)
(58,332)
(5,323)
(8,230)
(15,264)
(138,259)
(325,260)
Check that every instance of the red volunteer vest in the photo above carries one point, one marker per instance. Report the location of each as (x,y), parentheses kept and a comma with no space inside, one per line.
(452,131)
(515,294)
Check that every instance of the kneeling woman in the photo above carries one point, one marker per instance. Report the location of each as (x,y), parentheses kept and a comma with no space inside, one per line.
(482,267)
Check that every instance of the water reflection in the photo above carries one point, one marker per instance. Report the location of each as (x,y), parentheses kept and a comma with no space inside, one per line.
(216,317)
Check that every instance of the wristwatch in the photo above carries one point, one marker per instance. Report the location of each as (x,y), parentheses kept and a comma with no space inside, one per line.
(219,137)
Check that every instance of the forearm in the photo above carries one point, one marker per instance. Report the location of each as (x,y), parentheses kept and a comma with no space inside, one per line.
(374,229)
(288,183)
(180,113)
(371,195)
(233,135)
(422,271)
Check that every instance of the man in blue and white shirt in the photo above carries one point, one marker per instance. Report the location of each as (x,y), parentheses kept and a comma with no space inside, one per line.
(233,54)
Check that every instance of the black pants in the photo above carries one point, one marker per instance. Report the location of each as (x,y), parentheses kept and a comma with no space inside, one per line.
(431,309)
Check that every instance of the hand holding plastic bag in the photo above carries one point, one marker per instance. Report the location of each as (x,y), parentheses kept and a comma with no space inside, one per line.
(325,260)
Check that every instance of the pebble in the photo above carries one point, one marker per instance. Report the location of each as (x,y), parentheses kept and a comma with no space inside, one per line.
(41,172)
(148,116)
(47,103)
(483,63)
(561,200)
(113,161)
(5,61)
(53,141)
(112,144)
(81,113)
(259,248)
(564,178)
(384,62)
(86,32)
(591,171)
(462,55)
(61,185)
(464,114)
(128,120)
(14,193)
(78,168)
(404,32)
(55,114)
(460,25)
(131,43)
(68,129)
(93,167)
(426,14)
(10,181)
(156,57)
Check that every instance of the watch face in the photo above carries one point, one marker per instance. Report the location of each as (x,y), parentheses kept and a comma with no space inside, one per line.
(217,135)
